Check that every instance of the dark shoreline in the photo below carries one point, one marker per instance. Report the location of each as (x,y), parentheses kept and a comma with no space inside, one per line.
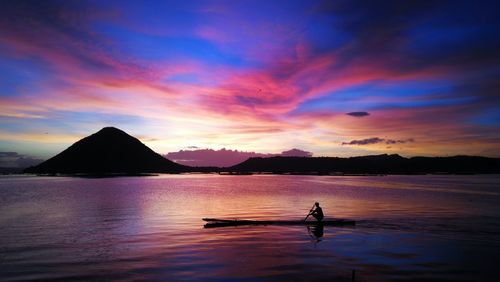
(112,152)
(114,175)
(353,166)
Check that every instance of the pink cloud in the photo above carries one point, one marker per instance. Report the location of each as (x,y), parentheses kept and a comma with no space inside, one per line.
(444,136)
(242,102)
(223,157)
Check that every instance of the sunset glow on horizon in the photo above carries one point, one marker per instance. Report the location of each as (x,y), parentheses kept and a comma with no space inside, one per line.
(335,78)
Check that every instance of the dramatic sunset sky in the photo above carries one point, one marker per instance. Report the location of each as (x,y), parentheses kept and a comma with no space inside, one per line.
(335,78)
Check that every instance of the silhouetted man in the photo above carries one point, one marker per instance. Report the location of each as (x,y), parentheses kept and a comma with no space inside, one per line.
(318,212)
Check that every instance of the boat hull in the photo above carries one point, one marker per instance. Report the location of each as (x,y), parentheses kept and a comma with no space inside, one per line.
(214,222)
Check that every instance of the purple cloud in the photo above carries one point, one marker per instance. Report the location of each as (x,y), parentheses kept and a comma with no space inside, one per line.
(367,141)
(358,114)
(391,141)
(224,157)
(13,159)
(377,140)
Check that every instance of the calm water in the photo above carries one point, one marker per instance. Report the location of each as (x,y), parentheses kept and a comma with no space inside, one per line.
(410,228)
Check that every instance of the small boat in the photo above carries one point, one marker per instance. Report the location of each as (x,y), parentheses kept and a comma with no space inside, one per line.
(215,222)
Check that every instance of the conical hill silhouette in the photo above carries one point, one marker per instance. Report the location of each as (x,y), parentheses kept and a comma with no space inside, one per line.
(110,150)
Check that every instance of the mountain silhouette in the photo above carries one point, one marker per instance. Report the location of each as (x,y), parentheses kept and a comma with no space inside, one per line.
(110,150)
(377,164)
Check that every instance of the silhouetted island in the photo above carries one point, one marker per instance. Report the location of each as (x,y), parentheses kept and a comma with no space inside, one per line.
(108,151)
(378,164)
(112,151)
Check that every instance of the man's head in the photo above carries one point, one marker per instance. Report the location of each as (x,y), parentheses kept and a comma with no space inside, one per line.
(317,204)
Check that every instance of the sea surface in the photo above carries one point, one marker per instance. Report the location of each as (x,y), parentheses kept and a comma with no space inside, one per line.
(409,228)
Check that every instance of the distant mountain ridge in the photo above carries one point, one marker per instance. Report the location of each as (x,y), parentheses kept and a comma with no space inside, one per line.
(109,150)
(376,164)
(112,151)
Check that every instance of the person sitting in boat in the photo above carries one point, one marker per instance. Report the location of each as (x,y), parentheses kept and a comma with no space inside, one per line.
(318,212)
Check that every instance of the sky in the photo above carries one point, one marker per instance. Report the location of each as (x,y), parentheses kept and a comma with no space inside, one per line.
(335,78)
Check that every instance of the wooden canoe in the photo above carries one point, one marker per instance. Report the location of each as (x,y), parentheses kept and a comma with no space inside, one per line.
(215,222)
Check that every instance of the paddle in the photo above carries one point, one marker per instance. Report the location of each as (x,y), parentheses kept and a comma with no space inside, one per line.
(309,212)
